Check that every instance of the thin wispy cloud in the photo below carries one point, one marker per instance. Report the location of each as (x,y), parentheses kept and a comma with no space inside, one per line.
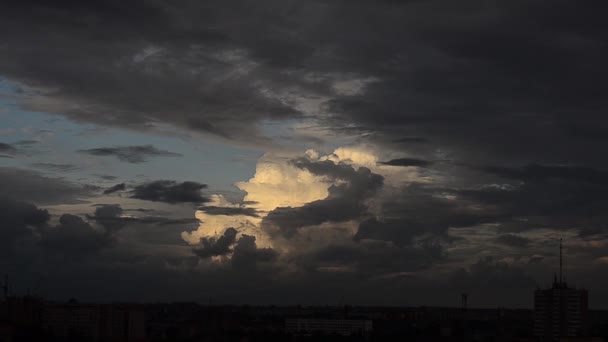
(130,154)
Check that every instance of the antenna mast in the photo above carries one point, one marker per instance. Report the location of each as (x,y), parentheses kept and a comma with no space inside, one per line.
(561,279)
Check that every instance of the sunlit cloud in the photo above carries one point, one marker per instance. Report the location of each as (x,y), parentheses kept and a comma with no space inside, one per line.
(278,182)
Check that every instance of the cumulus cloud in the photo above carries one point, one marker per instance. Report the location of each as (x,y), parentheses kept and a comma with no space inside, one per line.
(291,192)
(130,154)
(283,181)
(344,202)
(278,183)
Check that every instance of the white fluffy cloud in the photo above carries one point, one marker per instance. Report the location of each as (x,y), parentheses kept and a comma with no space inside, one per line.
(277,183)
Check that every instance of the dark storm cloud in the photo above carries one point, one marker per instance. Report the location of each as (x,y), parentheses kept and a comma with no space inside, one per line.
(288,220)
(27,142)
(507,79)
(142,210)
(15,217)
(411,140)
(56,167)
(441,96)
(7,149)
(176,221)
(115,188)
(110,217)
(74,237)
(71,237)
(408,162)
(488,277)
(170,65)
(484,84)
(130,154)
(170,192)
(547,202)
(419,210)
(513,240)
(330,169)
(248,255)
(558,200)
(215,247)
(144,220)
(372,258)
(211,210)
(245,252)
(108,211)
(22,213)
(399,231)
(106,177)
(26,223)
(344,202)
(536,259)
(30,186)
(539,173)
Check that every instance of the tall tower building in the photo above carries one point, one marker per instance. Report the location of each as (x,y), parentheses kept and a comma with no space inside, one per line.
(560,311)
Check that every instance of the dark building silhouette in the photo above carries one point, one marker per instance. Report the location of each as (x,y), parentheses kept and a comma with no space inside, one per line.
(560,311)
(94,322)
(31,318)
(344,327)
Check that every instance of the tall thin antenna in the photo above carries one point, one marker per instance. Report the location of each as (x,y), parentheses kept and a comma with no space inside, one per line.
(561,279)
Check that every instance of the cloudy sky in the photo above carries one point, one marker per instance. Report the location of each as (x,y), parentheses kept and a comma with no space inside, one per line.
(318,152)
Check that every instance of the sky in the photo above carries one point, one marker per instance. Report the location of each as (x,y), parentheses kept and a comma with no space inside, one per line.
(315,152)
